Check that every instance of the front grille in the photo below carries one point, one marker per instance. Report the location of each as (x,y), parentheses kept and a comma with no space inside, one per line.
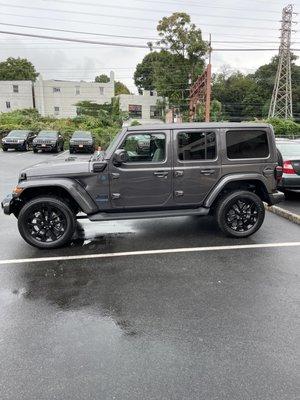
(40,141)
(12,140)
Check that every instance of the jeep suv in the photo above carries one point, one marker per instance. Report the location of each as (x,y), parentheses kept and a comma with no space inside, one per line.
(225,170)
(18,140)
(82,141)
(48,141)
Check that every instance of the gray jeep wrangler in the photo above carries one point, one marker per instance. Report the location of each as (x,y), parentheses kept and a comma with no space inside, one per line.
(222,169)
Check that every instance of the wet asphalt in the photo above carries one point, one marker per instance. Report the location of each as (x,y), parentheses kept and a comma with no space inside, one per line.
(212,325)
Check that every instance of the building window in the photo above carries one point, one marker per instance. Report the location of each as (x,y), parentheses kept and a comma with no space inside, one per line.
(196,146)
(15,88)
(8,105)
(135,111)
(247,144)
(154,112)
(56,90)
(101,88)
(56,110)
(77,90)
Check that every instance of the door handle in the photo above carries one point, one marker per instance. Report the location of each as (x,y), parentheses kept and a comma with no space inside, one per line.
(207,171)
(161,174)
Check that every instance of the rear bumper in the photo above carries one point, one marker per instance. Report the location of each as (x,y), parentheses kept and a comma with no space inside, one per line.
(290,182)
(6,204)
(276,198)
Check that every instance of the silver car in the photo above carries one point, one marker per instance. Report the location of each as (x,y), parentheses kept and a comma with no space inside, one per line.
(290,151)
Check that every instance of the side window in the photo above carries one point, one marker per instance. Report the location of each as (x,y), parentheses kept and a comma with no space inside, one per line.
(247,144)
(196,146)
(145,147)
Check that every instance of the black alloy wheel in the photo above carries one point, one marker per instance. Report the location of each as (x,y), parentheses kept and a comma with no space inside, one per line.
(46,222)
(240,214)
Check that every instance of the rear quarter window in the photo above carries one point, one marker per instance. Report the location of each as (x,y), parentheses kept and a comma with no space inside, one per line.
(243,144)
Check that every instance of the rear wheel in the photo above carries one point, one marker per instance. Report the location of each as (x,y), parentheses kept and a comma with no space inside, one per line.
(46,222)
(240,214)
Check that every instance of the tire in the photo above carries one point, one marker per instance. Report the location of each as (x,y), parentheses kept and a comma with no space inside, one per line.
(233,214)
(35,150)
(4,148)
(71,151)
(26,147)
(56,149)
(53,212)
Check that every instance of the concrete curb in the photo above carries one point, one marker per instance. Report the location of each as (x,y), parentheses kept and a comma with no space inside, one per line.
(284,213)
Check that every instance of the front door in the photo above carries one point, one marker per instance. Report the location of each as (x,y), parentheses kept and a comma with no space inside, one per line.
(197,167)
(145,179)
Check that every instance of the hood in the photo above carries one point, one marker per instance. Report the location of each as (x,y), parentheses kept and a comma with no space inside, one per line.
(58,168)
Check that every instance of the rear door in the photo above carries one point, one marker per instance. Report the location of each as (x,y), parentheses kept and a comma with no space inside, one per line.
(197,167)
(145,180)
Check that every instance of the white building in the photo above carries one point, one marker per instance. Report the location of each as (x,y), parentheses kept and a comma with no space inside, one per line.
(141,107)
(59,98)
(15,95)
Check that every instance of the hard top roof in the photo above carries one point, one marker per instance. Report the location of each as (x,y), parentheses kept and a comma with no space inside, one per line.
(199,125)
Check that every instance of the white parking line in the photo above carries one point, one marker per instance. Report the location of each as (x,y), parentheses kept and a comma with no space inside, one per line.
(149,252)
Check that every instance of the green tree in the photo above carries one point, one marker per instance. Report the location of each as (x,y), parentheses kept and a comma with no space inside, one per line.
(120,88)
(102,78)
(169,70)
(17,69)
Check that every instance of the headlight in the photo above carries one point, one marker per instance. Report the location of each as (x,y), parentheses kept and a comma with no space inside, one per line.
(3,140)
(21,141)
(53,141)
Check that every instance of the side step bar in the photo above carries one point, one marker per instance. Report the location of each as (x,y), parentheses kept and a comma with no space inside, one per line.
(109,216)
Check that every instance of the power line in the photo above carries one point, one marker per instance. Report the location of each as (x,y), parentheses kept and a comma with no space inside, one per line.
(121,26)
(152,10)
(80,32)
(125,17)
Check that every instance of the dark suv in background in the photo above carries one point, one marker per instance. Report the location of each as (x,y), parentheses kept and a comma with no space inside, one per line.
(82,141)
(226,170)
(18,140)
(48,141)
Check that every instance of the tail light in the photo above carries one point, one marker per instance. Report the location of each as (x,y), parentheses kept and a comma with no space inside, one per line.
(288,168)
(278,172)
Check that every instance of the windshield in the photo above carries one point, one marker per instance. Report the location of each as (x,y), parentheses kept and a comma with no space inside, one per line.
(112,143)
(48,134)
(84,135)
(17,134)
(289,149)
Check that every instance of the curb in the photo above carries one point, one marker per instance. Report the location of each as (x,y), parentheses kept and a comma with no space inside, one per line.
(283,213)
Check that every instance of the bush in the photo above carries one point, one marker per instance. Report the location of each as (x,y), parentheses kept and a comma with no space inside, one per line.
(284,127)
(104,129)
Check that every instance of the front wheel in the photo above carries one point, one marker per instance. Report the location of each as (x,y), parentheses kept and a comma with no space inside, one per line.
(46,222)
(240,214)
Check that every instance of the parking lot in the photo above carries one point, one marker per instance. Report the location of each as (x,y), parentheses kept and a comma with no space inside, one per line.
(149,309)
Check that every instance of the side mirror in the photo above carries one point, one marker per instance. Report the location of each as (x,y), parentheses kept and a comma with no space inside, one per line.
(120,156)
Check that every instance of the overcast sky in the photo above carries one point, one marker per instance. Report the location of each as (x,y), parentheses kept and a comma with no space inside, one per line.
(256,21)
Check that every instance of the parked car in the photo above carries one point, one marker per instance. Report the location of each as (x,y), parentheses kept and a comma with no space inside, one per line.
(18,140)
(222,169)
(48,141)
(291,164)
(82,141)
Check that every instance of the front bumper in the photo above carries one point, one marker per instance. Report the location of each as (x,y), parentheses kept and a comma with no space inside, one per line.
(48,147)
(6,204)
(15,146)
(276,198)
(84,148)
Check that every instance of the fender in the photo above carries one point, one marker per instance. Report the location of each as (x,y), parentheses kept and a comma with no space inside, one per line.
(74,189)
(231,178)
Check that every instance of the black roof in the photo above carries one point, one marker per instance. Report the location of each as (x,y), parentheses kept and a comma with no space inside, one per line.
(199,125)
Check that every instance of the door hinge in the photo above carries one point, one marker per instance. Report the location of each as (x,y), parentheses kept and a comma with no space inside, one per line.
(115,196)
(179,193)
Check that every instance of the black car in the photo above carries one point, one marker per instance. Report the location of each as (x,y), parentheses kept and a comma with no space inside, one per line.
(82,141)
(48,141)
(18,140)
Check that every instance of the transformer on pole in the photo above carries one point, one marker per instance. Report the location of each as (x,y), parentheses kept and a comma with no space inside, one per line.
(281,103)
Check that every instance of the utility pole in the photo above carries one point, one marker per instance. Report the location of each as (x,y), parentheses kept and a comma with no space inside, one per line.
(281,103)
